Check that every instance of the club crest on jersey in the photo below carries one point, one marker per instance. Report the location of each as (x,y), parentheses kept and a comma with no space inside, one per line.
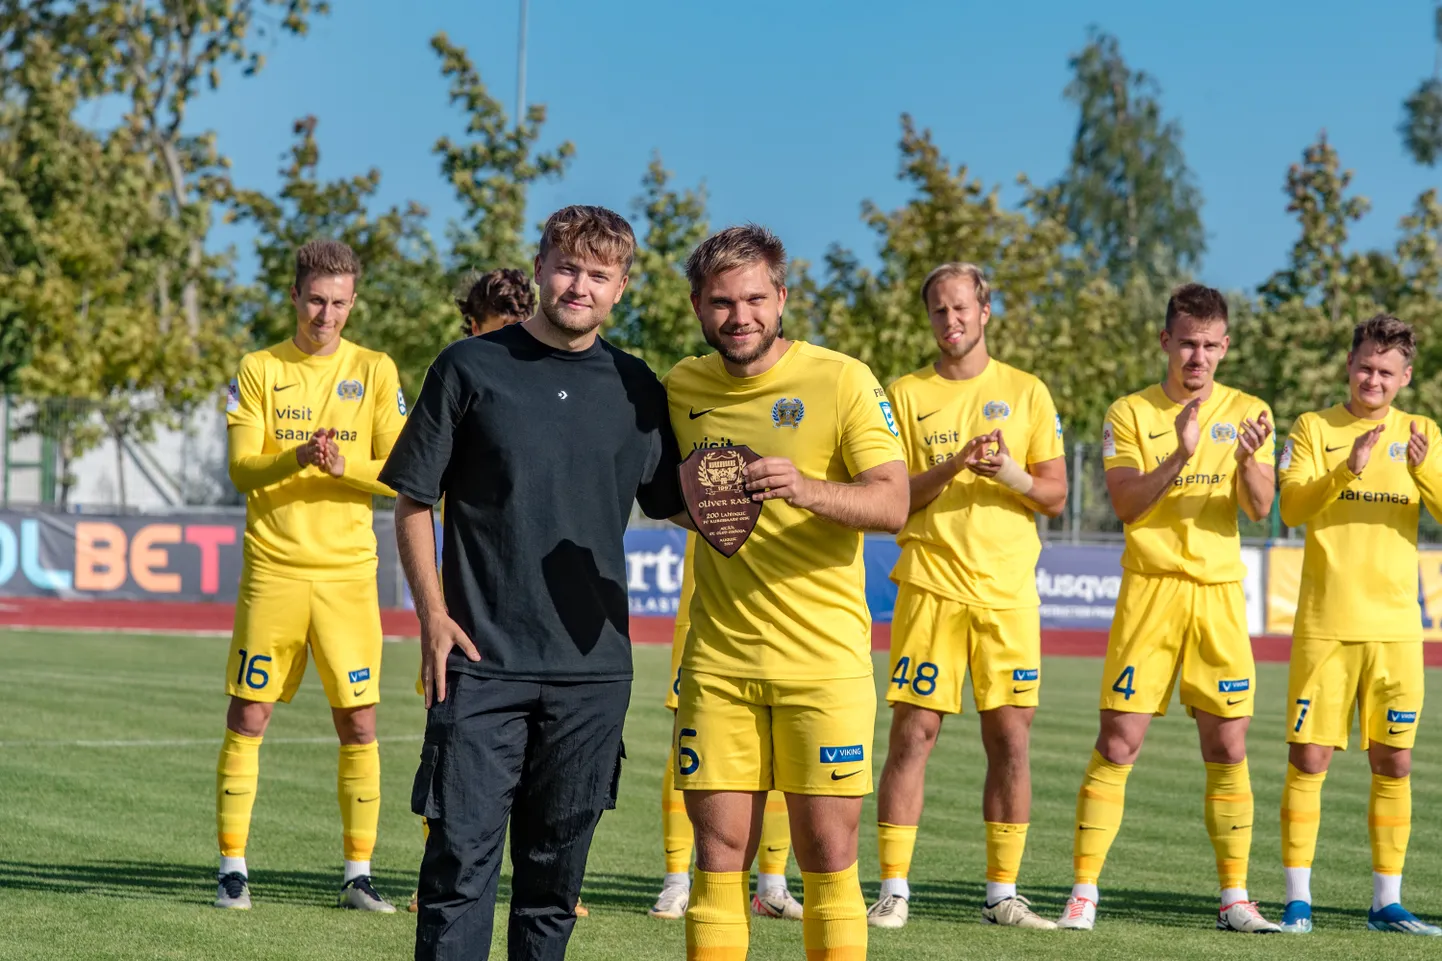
(787,412)
(232,396)
(890,420)
(1224,433)
(401,401)
(350,390)
(1285,460)
(1397,451)
(996,410)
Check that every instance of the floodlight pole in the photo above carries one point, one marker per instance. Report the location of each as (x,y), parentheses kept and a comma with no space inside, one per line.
(521,69)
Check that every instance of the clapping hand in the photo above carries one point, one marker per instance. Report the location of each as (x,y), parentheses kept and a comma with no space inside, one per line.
(1416,448)
(1252,436)
(1189,431)
(332,460)
(1362,450)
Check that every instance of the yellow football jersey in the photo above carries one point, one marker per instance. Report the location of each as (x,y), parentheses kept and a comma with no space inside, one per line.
(977,542)
(1192,530)
(303,522)
(1359,568)
(790,604)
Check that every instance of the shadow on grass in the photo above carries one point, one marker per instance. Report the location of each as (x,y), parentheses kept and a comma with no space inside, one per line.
(183,883)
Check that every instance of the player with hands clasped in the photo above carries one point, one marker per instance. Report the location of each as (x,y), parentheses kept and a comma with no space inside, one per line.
(966,587)
(1356,475)
(1181,458)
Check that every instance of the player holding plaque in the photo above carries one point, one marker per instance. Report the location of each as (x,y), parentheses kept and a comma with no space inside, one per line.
(775,681)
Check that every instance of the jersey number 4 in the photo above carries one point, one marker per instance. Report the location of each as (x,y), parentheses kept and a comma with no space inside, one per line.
(1123,685)
(923,682)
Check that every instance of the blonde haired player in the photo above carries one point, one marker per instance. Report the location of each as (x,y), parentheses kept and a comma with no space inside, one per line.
(967,586)
(1356,475)
(1181,457)
(773,897)
(311,421)
(776,686)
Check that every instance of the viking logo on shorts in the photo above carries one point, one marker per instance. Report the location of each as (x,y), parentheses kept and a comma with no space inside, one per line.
(1401,717)
(1397,451)
(721,471)
(1025,674)
(1234,687)
(787,412)
(364,674)
(843,755)
(1224,433)
(996,410)
(350,390)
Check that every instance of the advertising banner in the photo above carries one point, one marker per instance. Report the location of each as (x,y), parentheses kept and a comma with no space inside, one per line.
(1284,581)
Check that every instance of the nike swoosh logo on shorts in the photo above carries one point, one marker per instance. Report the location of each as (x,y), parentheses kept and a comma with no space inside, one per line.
(842,777)
(1234,701)
(1390,730)
(1022,690)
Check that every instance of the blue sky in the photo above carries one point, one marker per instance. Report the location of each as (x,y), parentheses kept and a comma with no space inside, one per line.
(788,111)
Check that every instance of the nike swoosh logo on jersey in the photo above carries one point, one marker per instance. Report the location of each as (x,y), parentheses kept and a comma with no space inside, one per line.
(921,417)
(1330,449)
(277,388)
(1155,436)
(1022,690)
(700,413)
(842,777)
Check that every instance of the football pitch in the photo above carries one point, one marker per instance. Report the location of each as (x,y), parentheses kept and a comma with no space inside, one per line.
(107,842)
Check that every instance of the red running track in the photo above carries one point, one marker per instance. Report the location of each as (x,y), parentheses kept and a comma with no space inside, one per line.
(167,617)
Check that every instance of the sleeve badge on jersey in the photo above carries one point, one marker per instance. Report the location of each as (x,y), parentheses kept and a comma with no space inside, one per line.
(1058,426)
(890,420)
(1109,440)
(350,390)
(232,396)
(787,412)
(401,401)
(1285,460)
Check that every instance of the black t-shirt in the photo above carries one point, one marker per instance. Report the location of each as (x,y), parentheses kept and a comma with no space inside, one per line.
(539,454)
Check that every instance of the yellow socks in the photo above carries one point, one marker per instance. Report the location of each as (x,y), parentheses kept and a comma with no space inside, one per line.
(1099,806)
(895,843)
(358,787)
(1004,846)
(676,832)
(1389,823)
(1301,817)
(1228,808)
(718,922)
(833,923)
(236,774)
(775,838)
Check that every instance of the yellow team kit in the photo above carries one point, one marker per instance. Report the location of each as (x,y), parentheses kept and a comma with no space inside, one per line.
(1357,638)
(777,691)
(1181,612)
(966,576)
(310,551)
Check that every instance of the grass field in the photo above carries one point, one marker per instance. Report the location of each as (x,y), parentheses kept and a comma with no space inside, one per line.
(107,845)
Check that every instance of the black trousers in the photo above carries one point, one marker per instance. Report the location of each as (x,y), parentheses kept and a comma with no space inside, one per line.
(546,757)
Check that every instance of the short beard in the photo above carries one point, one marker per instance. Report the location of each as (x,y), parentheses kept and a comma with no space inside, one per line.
(558,318)
(960,349)
(759,351)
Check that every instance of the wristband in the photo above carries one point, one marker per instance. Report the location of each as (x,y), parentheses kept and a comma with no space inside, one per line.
(1013,476)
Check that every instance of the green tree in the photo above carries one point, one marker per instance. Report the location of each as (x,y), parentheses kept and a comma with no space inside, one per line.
(1421,126)
(402,305)
(492,171)
(1127,195)
(655,320)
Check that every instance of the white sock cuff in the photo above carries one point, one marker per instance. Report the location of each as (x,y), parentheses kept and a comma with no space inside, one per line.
(895,886)
(356,869)
(231,865)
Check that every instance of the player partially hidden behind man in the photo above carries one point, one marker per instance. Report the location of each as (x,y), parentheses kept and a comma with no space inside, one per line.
(773,898)
(967,585)
(311,422)
(1355,475)
(776,687)
(1181,456)
(494,299)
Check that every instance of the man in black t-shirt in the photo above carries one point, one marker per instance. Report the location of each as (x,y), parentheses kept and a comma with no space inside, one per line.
(540,436)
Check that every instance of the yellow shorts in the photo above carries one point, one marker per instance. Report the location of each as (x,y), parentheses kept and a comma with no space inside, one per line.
(803,737)
(1166,626)
(277,618)
(935,641)
(673,688)
(1329,680)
